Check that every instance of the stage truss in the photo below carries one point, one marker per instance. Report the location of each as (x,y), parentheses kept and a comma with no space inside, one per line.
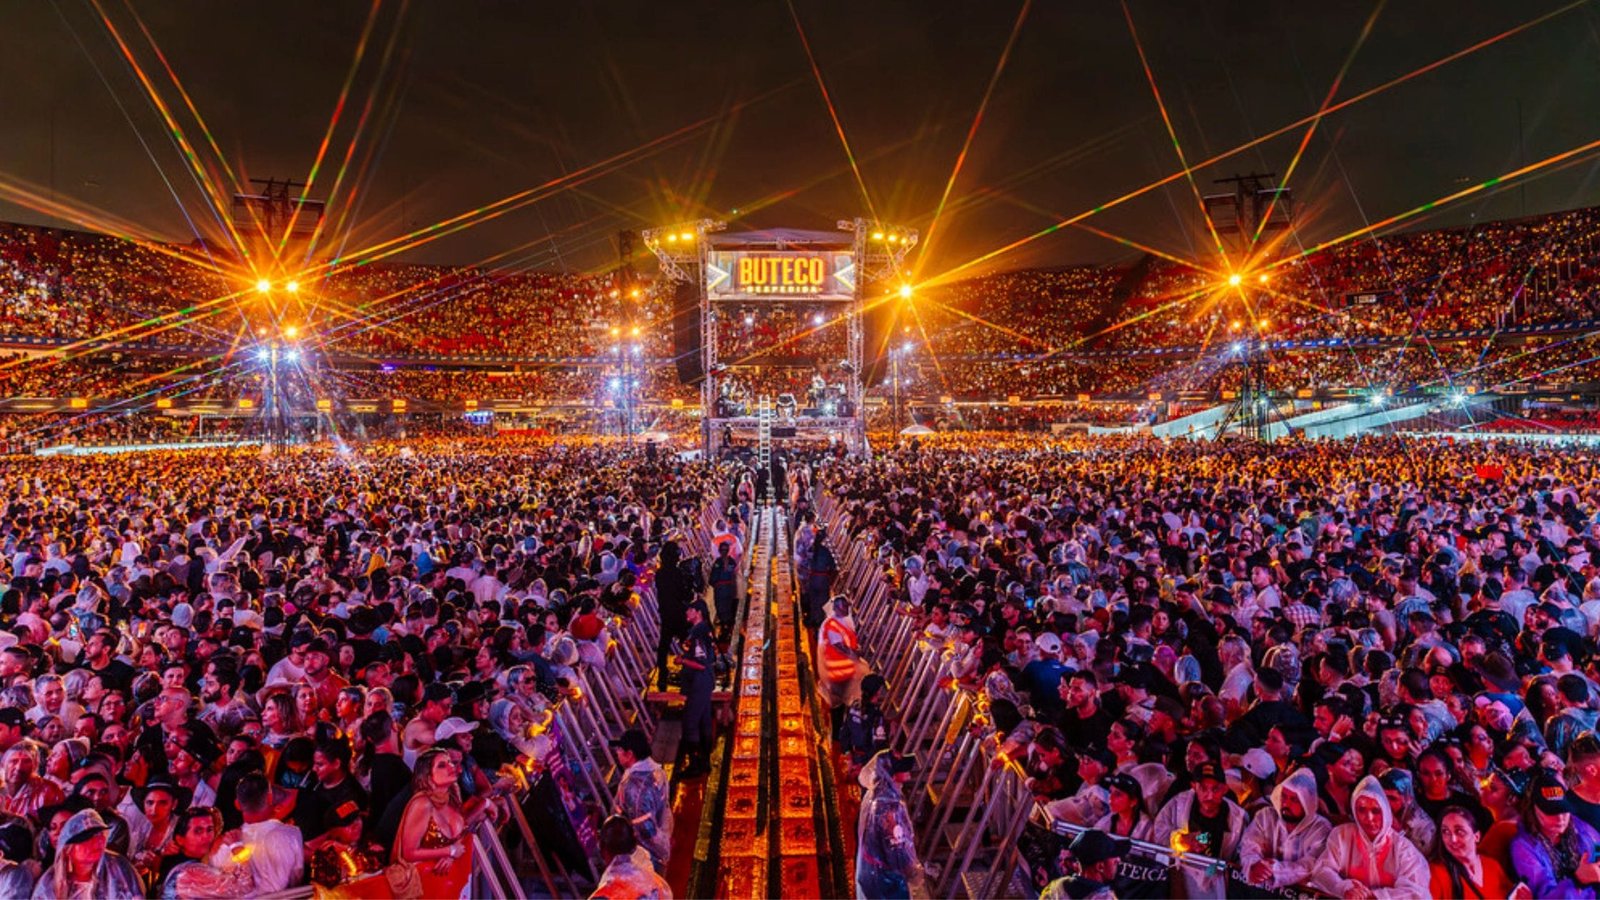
(878,253)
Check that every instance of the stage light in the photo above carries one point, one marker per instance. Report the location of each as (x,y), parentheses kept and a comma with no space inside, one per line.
(686,236)
(1458,398)
(291,331)
(1238,347)
(637,349)
(1378,400)
(634,294)
(263,286)
(635,331)
(749,319)
(672,239)
(816,319)
(1264,324)
(1235,279)
(264,354)
(616,384)
(616,331)
(292,287)
(906,348)
(894,238)
(905,291)
(292,354)
(1263,278)
(877,235)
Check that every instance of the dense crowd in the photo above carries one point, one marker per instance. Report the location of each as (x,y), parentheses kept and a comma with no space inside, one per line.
(1363,669)
(226,674)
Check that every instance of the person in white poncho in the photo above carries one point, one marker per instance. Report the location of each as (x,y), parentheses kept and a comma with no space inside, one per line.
(1369,858)
(1281,844)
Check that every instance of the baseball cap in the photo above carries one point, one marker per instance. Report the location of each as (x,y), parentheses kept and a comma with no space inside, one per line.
(1550,795)
(1209,771)
(1094,845)
(1258,762)
(1048,643)
(83,825)
(453,726)
(634,741)
(12,717)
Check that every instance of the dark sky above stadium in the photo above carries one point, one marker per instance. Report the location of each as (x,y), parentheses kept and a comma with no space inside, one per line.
(646,113)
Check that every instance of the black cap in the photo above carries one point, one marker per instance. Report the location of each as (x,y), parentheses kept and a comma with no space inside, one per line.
(1099,754)
(435,692)
(899,762)
(1550,795)
(1209,770)
(1122,781)
(1094,846)
(11,716)
(872,684)
(634,741)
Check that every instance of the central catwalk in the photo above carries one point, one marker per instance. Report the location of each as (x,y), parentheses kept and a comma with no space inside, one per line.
(771,825)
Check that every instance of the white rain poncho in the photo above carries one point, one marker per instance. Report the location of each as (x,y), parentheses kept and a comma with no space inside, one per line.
(1389,865)
(1291,851)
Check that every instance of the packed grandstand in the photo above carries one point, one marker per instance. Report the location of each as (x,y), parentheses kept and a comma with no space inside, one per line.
(1505,306)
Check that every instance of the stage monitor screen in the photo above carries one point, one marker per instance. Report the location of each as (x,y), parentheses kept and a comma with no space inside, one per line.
(779,275)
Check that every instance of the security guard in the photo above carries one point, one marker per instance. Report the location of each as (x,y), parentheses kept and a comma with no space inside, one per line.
(697,655)
(864,732)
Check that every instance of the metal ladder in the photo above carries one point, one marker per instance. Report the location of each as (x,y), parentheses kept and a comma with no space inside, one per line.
(764,412)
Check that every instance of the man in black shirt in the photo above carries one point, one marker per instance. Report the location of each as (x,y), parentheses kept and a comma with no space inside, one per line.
(337,802)
(114,673)
(1084,723)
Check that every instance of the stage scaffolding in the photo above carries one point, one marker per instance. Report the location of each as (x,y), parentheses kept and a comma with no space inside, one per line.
(875,254)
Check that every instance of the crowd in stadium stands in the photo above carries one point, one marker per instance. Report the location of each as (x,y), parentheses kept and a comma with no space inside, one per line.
(785,330)
(1359,669)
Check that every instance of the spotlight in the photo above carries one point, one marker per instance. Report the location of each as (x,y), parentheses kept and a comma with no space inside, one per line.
(749,319)
(1238,347)
(877,235)
(292,354)
(905,291)
(672,239)
(264,354)
(1458,398)
(291,331)
(292,287)
(636,349)
(1234,279)
(906,348)
(1378,400)
(687,236)
(616,384)
(635,331)
(263,286)
(1263,278)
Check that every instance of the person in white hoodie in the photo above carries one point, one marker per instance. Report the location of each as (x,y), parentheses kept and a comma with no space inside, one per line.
(1369,857)
(1281,844)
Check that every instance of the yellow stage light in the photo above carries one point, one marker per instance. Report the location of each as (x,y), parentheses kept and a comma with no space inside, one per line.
(635,331)
(292,287)
(1234,279)
(672,239)
(877,235)
(686,236)
(263,286)
(905,291)
(615,331)
(291,331)
(1263,278)
(634,293)
(894,238)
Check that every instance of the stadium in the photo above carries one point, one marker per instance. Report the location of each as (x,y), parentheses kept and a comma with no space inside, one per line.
(947,452)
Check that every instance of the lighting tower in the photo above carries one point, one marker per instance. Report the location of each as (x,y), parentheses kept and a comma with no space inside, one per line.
(1241,218)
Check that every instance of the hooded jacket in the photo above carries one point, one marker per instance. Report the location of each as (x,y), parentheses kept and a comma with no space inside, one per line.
(1389,865)
(886,851)
(1292,852)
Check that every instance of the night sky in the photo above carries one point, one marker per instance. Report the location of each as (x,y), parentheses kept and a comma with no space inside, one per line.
(474,101)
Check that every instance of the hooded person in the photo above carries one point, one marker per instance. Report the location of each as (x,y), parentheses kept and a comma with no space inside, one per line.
(1370,853)
(1285,838)
(84,867)
(886,851)
(1209,823)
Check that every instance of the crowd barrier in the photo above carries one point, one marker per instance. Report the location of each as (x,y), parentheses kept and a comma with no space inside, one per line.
(970,802)
(602,702)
